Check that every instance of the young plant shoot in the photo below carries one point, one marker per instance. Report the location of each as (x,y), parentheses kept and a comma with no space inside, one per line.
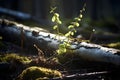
(71,29)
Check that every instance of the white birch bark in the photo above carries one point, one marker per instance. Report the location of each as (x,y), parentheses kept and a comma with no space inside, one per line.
(88,51)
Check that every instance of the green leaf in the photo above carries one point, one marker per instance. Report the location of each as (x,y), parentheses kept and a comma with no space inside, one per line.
(61,46)
(58,51)
(70,26)
(77,19)
(56,15)
(68,45)
(72,33)
(55,27)
(53,19)
(61,50)
(76,24)
(81,15)
(58,21)
(53,9)
(67,34)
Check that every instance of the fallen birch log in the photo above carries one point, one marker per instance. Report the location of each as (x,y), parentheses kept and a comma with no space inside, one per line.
(27,37)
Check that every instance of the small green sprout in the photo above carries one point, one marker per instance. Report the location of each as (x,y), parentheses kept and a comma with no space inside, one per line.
(71,28)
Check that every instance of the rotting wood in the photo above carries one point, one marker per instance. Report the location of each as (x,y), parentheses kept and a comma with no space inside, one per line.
(46,40)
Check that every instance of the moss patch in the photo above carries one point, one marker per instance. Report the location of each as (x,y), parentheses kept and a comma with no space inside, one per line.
(114,45)
(33,73)
(13,57)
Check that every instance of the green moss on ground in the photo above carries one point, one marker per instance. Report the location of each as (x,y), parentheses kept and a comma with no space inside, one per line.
(33,73)
(14,57)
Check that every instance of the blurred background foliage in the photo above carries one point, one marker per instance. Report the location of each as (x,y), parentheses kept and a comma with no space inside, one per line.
(100,15)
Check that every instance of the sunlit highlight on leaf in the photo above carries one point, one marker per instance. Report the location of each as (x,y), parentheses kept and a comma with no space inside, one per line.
(53,19)
(55,27)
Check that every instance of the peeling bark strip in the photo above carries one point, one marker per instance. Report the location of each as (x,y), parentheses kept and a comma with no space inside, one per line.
(12,32)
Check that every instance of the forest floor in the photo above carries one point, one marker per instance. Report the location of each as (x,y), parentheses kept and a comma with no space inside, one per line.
(71,68)
(16,63)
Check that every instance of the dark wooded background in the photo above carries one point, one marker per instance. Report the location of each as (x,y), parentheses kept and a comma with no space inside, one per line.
(105,11)
(96,9)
